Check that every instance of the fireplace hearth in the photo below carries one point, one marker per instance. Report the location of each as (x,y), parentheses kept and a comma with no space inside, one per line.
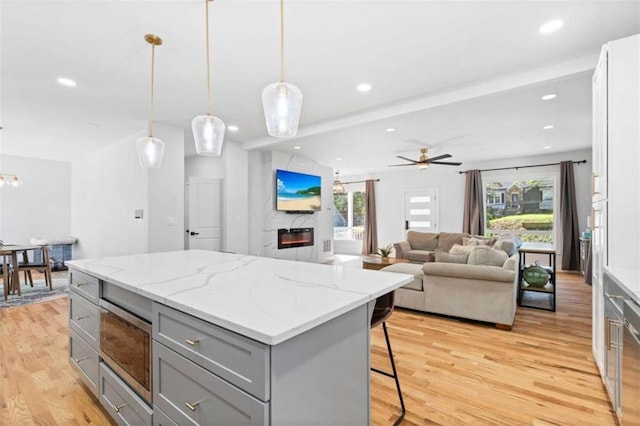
(295,237)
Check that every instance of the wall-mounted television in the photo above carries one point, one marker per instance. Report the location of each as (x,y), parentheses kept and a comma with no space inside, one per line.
(297,192)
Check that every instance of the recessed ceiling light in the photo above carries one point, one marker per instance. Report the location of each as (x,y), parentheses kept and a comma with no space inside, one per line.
(338,159)
(364,87)
(549,127)
(391,129)
(233,128)
(551,26)
(67,82)
(546,147)
(549,97)
(296,147)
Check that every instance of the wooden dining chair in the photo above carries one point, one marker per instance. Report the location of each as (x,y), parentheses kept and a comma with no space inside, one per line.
(5,271)
(44,266)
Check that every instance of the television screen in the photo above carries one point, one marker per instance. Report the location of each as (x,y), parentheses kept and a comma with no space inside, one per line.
(297,192)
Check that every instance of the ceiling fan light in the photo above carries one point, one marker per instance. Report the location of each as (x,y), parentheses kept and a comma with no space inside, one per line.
(282,104)
(150,152)
(208,133)
(423,166)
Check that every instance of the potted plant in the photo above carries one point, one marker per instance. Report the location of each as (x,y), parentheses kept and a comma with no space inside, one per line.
(385,251)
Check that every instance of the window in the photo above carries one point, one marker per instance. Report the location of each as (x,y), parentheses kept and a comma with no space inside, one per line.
(529,212)
(348,215)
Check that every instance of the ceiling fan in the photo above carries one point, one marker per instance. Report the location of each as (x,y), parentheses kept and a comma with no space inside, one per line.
(424,160)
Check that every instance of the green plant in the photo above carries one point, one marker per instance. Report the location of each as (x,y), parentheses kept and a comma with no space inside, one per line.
(385,251)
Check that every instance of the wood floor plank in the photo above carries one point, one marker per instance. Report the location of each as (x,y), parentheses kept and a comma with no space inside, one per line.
(452,372)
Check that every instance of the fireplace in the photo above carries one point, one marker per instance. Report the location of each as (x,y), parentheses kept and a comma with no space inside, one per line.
(295,237)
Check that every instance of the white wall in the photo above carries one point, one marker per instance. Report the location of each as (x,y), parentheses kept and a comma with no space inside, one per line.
(450,185)
(232,167)
(166,192)
(264,220)
(107,187)
(41,206)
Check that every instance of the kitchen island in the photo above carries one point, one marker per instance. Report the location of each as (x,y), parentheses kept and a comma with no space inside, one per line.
(236,339)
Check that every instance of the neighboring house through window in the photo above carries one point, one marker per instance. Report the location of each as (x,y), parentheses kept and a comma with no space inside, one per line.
(529,212)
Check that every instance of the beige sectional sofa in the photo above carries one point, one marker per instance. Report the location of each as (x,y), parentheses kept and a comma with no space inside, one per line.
(485,289)
(420,247)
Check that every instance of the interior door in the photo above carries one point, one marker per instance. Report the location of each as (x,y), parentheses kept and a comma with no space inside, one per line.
(421,210)
(205,214)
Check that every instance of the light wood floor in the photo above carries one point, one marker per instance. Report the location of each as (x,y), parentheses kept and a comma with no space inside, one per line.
(452,372)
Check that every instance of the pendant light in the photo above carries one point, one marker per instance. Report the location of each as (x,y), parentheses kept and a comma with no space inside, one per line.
(338,187)
(150,149)
(282,102)
(208,131)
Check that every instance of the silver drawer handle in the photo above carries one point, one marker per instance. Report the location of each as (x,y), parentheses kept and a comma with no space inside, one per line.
(613,296)
(81,318)
(193,406)
(117,408)
(81,284)
(78,360)
(192,342)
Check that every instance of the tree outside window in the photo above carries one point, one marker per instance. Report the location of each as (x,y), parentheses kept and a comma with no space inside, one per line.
(348,215)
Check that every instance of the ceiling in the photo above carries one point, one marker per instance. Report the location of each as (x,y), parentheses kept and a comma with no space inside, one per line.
(458,77)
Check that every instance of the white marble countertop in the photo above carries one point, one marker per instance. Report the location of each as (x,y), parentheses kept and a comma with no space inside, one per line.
(268,300)
(629,278)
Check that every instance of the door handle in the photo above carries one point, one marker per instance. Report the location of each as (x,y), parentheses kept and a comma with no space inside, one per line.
(406,225)
(194,233)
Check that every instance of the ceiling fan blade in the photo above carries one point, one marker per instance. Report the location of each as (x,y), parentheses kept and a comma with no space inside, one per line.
(438,157)
(408,159)
(445,163)
(399,165)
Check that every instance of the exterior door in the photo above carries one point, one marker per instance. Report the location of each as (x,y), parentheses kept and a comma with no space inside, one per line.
(205,214)
(421,210)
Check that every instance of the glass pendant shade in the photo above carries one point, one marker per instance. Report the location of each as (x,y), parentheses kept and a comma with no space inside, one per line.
(282,103)
(150,152)
(208,132)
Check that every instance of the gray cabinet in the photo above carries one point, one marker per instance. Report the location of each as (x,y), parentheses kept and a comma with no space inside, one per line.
(84,328)
(237,359)
(189,394)
(84,360)
(125,407)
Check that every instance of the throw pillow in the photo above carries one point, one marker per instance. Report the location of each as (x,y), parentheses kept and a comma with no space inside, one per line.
(478,240)
(458,249)
(507,245)
(485,255)
(444,257)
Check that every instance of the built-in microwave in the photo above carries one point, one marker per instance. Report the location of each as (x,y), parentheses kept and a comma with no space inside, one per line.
(125,346)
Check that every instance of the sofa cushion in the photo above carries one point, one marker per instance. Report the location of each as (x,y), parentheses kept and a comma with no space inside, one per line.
(446,240)
(444,257)
(487,256)
(408,268)
(475,273)
(507,245)
(422,240)
(420,256)
(478,240)
(458,249)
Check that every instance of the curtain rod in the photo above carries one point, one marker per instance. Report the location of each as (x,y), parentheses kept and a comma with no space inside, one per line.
(524,167)
(359,181)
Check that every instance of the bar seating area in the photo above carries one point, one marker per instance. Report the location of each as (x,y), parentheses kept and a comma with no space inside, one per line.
(16,261)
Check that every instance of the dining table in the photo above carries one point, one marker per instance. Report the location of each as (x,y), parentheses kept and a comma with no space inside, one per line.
(11,285)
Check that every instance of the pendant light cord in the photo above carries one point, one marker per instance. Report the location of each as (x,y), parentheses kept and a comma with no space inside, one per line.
(206,2)
(153,61)
(282,41)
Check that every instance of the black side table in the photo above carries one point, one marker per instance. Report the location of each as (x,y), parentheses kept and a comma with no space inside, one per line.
(550,287)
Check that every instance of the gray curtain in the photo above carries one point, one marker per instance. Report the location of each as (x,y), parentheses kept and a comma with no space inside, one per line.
(473,220)
(569,216)
(370,239)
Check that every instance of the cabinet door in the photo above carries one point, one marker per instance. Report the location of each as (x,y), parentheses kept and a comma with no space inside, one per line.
(600,126)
